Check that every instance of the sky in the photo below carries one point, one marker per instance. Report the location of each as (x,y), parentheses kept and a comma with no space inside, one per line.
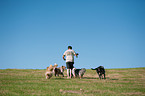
(35,33)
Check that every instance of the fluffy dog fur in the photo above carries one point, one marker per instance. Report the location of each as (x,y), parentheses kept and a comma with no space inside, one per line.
(59,71)
(100,71)
(49,72)
(78,72)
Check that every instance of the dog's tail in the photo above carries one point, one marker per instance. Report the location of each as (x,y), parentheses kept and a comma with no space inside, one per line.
(93,69)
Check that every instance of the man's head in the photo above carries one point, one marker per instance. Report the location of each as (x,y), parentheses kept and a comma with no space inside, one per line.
(69,47)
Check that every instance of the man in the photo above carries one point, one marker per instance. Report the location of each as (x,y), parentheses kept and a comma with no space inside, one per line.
(69,54)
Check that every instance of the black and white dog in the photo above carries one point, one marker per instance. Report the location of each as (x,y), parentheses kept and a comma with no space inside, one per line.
(78,72)
(100,71)
(59,71)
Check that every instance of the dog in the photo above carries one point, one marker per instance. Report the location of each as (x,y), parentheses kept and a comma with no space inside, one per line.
(49,72)
(59,71)
(78,72)
(100,71)
(55,66)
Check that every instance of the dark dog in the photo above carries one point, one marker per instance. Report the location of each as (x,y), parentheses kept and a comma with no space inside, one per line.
(100,71)
(78,72)
(59,71)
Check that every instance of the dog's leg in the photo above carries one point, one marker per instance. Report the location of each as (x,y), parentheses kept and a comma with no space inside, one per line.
(62,74)
(46,77)
(100,76)
(50,75)
(80,75)
(104,76)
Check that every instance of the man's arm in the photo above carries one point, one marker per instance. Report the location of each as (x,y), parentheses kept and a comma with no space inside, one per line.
(63,57)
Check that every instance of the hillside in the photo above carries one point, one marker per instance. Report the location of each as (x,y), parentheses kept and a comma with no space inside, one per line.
(121,82)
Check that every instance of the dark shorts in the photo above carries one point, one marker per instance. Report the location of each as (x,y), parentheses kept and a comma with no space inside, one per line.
(69,65)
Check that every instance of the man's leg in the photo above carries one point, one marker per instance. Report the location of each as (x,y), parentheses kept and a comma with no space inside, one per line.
(68,72)
(73,72)
(68,69)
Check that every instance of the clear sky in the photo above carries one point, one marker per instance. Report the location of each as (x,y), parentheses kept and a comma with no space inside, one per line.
(35,33)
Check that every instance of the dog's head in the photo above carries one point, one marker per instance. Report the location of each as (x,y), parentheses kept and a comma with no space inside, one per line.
(50,68)
(55,65)
(83,69)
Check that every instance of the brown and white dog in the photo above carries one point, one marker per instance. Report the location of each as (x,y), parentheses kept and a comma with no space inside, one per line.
(59,71)
(49,72)
(78,72)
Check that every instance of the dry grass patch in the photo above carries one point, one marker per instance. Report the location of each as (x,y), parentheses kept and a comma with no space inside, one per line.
(134,94)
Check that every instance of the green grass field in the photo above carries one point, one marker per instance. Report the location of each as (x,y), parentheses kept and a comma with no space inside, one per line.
(29,82)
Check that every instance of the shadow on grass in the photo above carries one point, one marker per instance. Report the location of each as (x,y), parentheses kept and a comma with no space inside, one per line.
(90,78)
(65,78)
(107,78)
(114,79)
(58,78)
(111,78)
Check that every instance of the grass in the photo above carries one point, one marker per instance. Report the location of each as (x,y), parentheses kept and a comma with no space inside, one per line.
(30,82)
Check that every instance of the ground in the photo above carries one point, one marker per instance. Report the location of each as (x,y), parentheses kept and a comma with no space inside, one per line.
(121,82)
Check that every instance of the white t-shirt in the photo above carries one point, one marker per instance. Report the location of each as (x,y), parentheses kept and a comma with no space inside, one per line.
(69,55)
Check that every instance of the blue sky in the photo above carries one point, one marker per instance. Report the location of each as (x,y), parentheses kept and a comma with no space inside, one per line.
(35,33)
